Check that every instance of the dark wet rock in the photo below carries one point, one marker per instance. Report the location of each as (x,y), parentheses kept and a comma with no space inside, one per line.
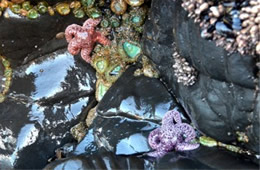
(47,97)
(126,116)
(120,135)
(122,126)
(223,101)
(140,97)
(88,145)
(204,158)
(28,37)
(100,161)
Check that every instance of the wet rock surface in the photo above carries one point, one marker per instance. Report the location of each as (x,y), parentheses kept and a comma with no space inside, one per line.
(136,96)
(47,97)
(102,137)
(129,104)
(52,91)
(203,158)
(222,102)
(28,38)
(122,142)
(100,161)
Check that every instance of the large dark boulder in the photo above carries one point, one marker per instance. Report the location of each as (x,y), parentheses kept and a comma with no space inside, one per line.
(224,100)
(51,91)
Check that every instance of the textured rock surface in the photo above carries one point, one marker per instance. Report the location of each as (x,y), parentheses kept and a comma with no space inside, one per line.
(223,101)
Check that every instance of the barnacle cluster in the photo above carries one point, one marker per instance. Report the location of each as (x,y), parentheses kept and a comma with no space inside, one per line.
(233,24)
(5,77)
(185,73)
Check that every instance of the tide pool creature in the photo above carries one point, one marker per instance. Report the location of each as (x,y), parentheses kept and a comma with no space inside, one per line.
(173,134)
(84,38)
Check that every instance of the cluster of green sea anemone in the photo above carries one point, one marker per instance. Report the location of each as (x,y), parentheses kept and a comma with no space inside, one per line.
(79,9)
(111,61)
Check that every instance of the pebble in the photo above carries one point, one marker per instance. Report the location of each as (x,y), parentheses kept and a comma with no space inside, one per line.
(60,35)
(204,7)
(244,16)
(215,11)
(258,48)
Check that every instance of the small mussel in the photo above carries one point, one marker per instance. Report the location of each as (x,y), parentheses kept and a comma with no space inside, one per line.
(236,22)
(63,8)
(42,7)
(15,8)
(129,50)
(135,2)
(78,12)
(88,3)
(119,7)
(222,28)
(101,89)
(32,14)
(93,12)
